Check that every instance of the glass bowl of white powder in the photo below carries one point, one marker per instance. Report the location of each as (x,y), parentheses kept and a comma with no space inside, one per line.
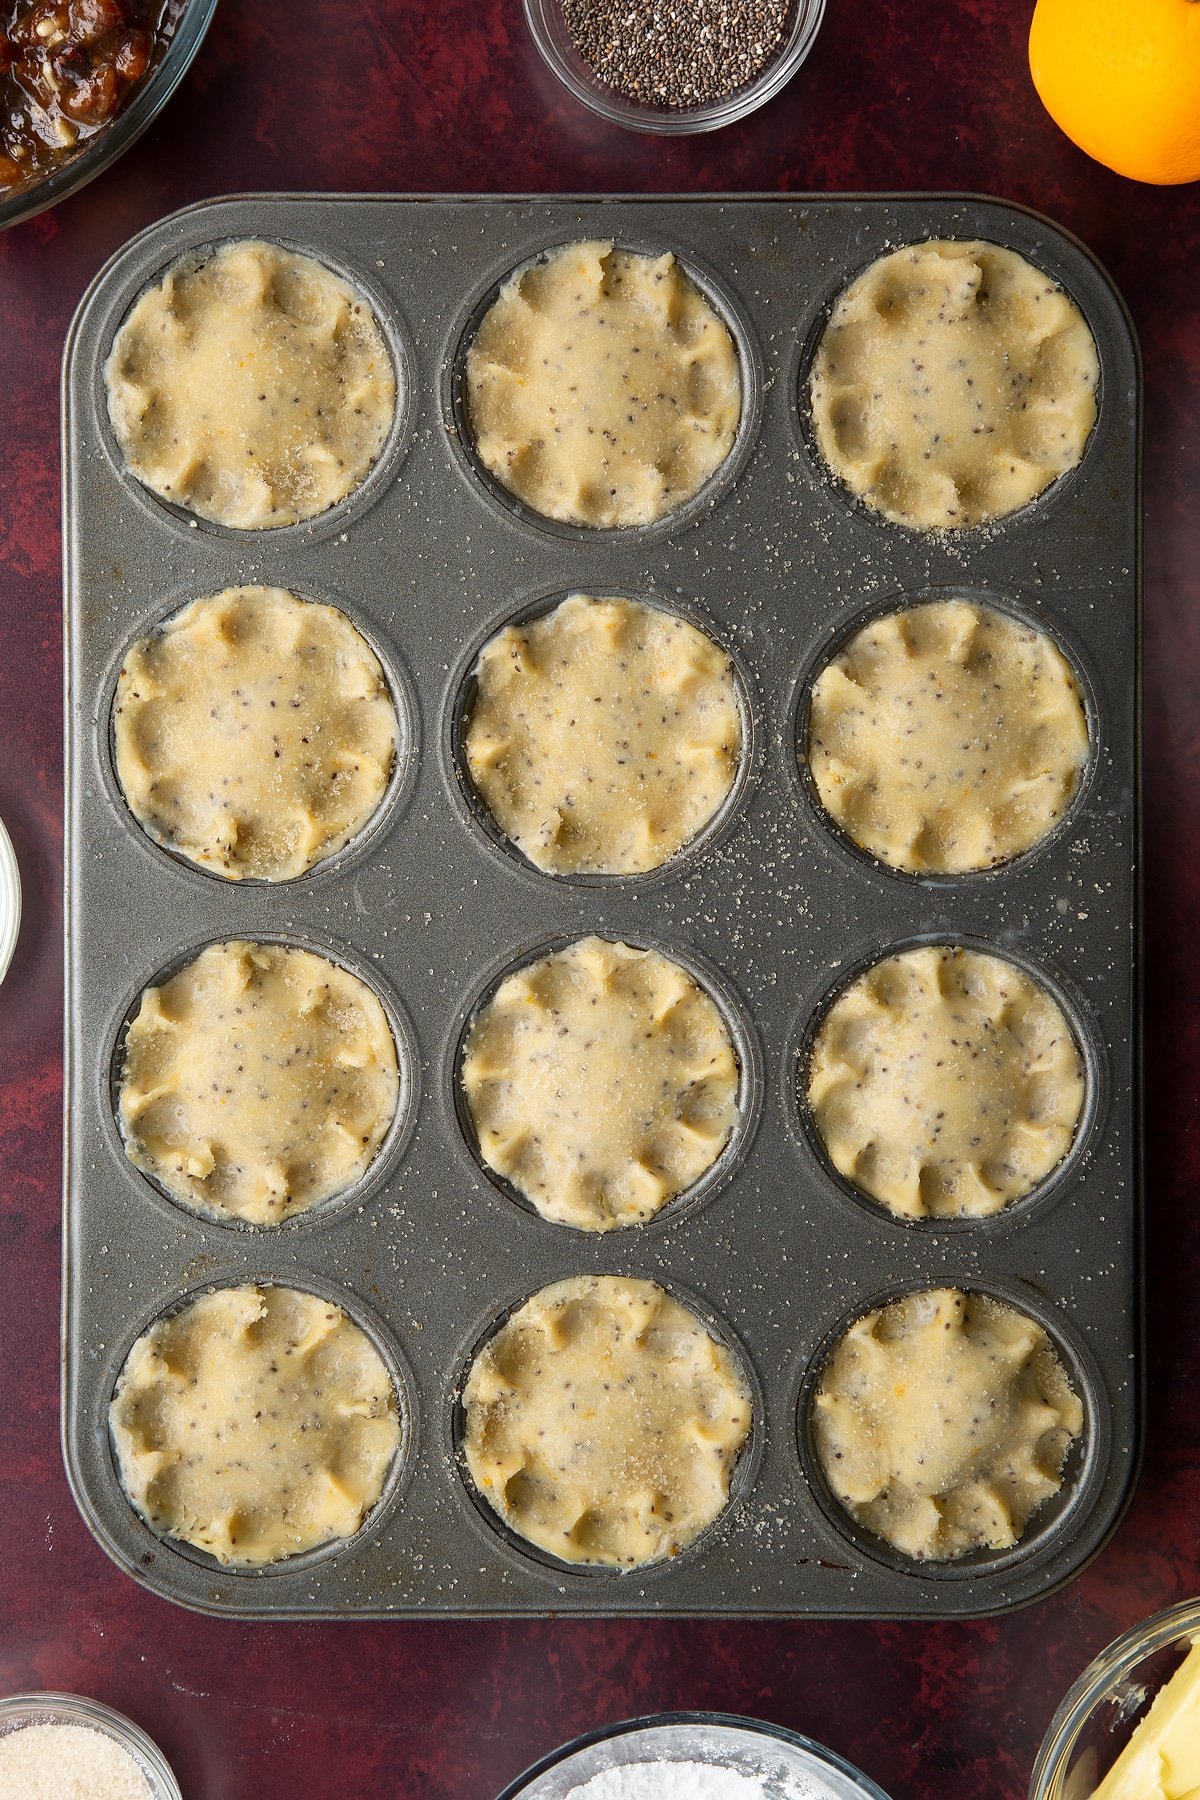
(66,1747)
(692,1756)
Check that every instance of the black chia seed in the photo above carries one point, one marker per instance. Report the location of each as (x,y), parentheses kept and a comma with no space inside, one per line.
(676,53)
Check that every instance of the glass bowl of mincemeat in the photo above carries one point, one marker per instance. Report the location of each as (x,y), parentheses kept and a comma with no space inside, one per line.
(79,81)
(674,66)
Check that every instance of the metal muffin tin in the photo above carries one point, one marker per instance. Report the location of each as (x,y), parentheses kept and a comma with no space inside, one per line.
(428,559)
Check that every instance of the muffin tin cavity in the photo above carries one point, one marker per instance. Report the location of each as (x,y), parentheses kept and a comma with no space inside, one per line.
(260,1083)
(320,457)
(686,707)
(602,389)
(299,1387)
(943,1082)
(376,1469)
(761,907)
(946,737)
(658,480)
(216,750)
(1024,611)
(952,384)
(253,388)
(1044,1455)
(603,1085)
(254,733)
(620,1511)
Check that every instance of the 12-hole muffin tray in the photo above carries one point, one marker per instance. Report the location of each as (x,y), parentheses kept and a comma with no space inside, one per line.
(770,908)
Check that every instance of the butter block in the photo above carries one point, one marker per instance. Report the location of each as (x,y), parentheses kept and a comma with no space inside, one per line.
(1161,1761)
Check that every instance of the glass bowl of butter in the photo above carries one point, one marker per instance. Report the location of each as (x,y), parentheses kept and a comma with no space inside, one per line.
(1129,1729)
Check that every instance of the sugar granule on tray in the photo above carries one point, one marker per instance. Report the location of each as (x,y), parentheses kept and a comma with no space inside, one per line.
(691,1781)
(67,1762)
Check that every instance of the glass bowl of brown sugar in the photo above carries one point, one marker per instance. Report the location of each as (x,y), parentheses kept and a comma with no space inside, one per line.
(674,66)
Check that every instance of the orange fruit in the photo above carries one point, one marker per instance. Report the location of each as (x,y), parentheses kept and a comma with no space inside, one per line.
(1122,79)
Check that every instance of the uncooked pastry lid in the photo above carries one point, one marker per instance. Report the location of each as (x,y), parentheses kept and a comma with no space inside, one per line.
(10,900)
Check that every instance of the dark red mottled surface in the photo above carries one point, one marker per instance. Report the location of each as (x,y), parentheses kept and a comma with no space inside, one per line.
(394,94)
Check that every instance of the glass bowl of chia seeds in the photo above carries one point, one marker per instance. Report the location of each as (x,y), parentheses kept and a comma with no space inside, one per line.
(674,66)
